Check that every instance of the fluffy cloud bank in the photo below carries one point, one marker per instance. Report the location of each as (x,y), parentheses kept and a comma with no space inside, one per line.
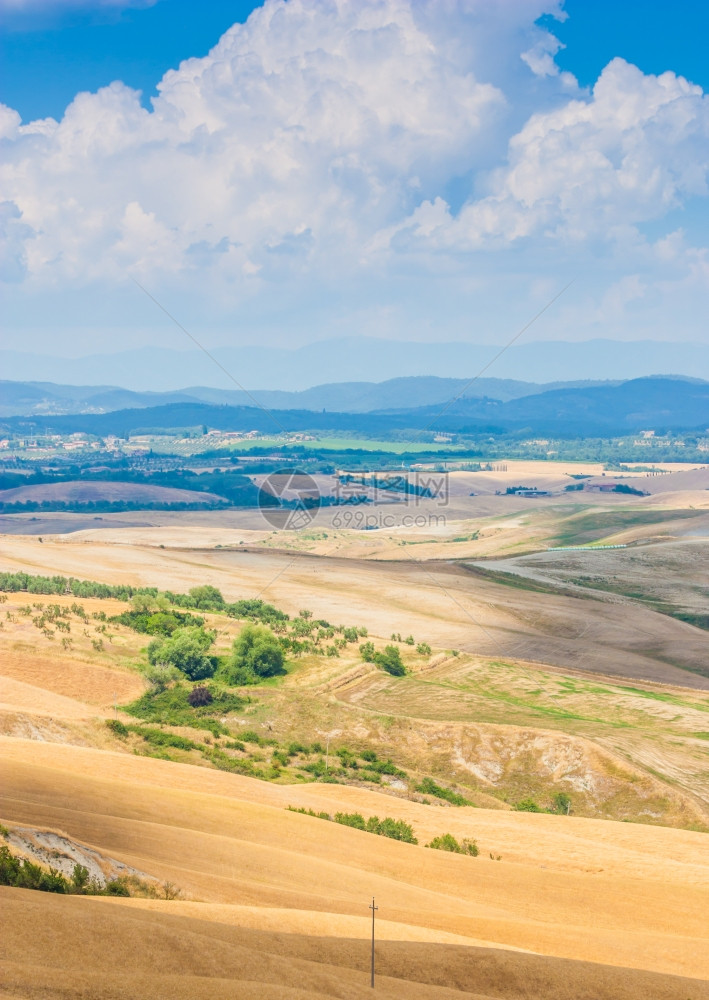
(588,169)
(324,137)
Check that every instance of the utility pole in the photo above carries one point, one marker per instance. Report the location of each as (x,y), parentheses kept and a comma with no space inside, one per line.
(373,908)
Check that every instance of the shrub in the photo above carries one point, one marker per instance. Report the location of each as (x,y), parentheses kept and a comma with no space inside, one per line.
(171,707)
(159,738)
(424,649)
(206,598)
(257,610)
(162,623)
(429,787)
(24,874)
(186,650)
(117,727)
(386,767)
(561,803)
(395,829)
(528,805)
(256,654)
(249,736)
(309,812)
(200,696)
(367,652)
(447,842)
(355,820)
(390,660)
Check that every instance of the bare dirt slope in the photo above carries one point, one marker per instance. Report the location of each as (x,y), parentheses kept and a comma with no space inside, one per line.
(231,845)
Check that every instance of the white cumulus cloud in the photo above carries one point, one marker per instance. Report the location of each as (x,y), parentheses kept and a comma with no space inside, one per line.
(376,138)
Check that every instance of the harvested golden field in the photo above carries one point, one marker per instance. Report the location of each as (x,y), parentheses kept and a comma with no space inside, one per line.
(265,888)
(442,602)
(539,684)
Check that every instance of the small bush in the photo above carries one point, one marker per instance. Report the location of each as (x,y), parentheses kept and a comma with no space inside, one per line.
(367,652)
(309,812)
(159,738)
(528,805)
(390,660)
(395,829)
(355,820)
(200,696)
(249,736)
(429,787)
(561,803)
(447,842)
(117,727)
(172,707)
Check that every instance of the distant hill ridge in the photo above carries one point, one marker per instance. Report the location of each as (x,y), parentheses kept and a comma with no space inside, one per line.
(660,403)
(42,398)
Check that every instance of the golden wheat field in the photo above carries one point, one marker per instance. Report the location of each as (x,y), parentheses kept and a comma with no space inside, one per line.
(547,671)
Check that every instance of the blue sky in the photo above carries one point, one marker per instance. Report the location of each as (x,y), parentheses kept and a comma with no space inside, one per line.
(333,167)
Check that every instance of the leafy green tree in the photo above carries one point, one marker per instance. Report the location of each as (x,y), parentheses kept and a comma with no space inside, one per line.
(186,650)
(206,597)
(561,803)
(367,651)
(256,654)
(389,659)
(80,878)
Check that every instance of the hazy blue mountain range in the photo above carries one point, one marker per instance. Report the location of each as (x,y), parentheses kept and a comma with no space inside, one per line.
(639,404)
(42,398)
(361,359)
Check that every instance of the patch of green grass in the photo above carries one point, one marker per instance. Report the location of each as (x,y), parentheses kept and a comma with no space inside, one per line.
(593,526)
(161,738)
(516,580)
